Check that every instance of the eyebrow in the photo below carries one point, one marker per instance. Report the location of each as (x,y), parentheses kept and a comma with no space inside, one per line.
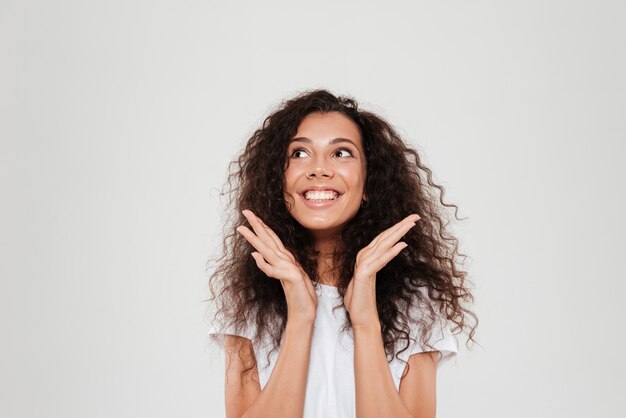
(332,141)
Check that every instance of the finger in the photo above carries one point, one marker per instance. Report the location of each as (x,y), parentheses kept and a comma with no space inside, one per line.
(394,236)
(259,228)
(275,237)
(257,225)
(388,256)
(271,234)
(262,264)
(266,251)
(411,219)
(385,241)
(399,229)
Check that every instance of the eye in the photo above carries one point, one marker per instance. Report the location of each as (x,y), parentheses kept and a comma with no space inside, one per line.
(294,152)
(344,150)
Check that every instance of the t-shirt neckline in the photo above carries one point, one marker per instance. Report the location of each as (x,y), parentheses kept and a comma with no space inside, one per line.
(328,290)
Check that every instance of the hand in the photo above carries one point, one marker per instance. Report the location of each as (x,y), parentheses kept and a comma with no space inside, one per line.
(276,261)
(360,296)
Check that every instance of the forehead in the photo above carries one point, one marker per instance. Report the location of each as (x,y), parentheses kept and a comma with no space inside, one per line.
(327,126)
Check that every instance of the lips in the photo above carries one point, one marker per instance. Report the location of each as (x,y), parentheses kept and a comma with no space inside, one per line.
(319,189)
(320,204)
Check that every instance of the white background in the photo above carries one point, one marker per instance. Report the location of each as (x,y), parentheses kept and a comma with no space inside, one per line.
(118,120)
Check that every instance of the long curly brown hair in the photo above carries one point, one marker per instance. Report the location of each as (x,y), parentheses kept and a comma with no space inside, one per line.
(426,273)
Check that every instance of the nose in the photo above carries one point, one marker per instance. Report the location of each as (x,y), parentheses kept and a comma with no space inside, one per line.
(319,172)
(318,167)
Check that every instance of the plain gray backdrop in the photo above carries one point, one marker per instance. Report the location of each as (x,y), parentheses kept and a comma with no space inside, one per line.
(117,123)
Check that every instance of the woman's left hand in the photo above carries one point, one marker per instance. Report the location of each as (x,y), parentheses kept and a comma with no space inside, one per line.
(360,297)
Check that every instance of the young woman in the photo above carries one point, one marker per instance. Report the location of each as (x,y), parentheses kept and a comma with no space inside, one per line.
(339,289)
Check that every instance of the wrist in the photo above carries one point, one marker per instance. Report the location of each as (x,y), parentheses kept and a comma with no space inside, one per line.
(372,325)
(295,281)
(299,322)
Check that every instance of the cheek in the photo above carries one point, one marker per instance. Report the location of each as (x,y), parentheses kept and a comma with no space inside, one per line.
(289,184)
(354,176)
(291,175)
(288,180)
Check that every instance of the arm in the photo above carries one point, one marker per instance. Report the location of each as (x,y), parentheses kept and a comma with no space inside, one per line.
(418,387)
(241,389)
(376,394)
(283,396)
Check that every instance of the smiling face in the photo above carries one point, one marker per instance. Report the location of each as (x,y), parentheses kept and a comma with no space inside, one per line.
(325,176)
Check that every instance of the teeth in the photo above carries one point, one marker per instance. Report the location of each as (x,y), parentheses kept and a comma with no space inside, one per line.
(313,195)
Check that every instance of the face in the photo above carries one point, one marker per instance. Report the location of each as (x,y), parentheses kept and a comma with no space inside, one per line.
(325,176)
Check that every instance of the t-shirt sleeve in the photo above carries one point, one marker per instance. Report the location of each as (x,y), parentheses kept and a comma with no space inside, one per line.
(441,339)
(221,327)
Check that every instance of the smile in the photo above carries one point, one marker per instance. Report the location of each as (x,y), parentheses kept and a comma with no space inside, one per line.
(321,195)
(320,200)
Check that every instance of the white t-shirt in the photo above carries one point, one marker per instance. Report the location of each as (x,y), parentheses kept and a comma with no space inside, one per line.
(330,390)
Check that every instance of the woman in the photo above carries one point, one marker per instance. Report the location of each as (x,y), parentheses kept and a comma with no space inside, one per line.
(338,287)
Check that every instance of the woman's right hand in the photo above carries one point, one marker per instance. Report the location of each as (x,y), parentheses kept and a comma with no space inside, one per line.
(276,261)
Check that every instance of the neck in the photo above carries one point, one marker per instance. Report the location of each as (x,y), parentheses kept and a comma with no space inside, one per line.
(326,272)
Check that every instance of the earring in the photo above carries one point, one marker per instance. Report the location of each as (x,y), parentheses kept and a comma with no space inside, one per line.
(364,203)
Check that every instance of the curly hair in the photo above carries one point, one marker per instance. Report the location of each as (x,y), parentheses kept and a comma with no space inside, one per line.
(425,274)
